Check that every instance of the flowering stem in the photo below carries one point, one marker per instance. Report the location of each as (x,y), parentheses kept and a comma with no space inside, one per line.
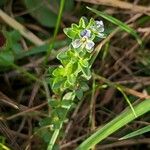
(68,81)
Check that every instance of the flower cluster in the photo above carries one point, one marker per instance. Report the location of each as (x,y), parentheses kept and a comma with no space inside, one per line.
(82,35)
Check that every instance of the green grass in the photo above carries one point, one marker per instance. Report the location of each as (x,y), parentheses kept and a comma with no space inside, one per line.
(136,133)
(120,121)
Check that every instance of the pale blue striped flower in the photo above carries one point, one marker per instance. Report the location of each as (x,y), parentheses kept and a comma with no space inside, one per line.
(84,41)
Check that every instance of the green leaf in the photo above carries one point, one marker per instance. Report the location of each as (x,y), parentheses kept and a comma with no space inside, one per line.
(84,62)
(57,84)
(59,71)
(123,119)
(117,22)
(66,104)
(86,71)
(15,36)
(40,11)
(6,59)
(46,13)
(12,41)
(45,134)
(84,86)
(91,23)
(63,57)
(70,68)
(44,122)
(67,57)
(136,133)
(70,32)
(79,93)
(55,120)
(74,27)
(60,112)
(71,79)
(54,103)
(82,23)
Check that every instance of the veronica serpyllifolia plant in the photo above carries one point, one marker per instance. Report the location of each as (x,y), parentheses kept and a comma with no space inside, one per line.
(69,80)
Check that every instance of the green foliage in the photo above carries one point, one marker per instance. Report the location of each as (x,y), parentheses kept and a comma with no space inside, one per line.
(39,10)
(44,12)
(10,49)
(124,118)
(6,59)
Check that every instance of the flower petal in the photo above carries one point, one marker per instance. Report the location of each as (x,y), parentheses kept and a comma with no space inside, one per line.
(89,45)
(76,43)
(99,26)
(85,33)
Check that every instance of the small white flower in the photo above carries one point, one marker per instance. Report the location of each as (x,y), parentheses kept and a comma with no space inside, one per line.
(89,45)
(99,25)
(98,28)
(84,41)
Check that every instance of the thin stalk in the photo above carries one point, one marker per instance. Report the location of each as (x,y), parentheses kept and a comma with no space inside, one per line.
(62,3)
(127,99)
(54,138)
(56,132)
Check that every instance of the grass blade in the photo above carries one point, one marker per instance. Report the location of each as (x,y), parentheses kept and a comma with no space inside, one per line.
(136,133)
(127,99)
(124,118)
(117,22)
(62,4)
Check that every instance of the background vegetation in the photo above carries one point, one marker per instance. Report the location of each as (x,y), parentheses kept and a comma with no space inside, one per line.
(31,36)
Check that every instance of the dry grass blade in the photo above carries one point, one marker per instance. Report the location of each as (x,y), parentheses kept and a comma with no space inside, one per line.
(124,143)
(17,26)
(4,130)
(6,100)
(120,4)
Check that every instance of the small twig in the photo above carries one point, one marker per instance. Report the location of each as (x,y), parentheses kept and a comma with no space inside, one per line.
(27,111)
(128,90)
